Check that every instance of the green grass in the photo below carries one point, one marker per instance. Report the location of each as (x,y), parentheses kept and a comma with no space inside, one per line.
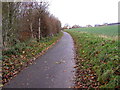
(23,54)
(111,31)
(101,53)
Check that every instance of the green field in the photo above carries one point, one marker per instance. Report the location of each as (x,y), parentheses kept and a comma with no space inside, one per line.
(111,31)
(99,54)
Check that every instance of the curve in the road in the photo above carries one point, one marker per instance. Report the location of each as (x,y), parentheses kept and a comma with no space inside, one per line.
(52,70)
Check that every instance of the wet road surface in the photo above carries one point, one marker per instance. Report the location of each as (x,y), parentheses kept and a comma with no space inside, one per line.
(52,70)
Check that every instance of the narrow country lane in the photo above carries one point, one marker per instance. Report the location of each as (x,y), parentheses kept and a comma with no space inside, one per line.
(52,70)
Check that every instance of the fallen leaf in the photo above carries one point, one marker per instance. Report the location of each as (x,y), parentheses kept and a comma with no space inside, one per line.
(64,71)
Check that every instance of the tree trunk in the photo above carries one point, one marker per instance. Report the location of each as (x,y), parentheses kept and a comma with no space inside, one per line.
(31,30)
(39,31)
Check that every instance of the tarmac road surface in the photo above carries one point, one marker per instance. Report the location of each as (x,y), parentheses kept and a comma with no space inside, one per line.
(52,70)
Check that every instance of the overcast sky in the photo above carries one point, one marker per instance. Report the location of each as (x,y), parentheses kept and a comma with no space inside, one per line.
(84,12)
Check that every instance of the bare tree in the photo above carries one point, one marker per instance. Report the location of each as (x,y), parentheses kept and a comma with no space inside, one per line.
(25,20)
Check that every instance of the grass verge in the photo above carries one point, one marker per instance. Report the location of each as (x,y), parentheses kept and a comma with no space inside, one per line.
(97,62)
(23,54)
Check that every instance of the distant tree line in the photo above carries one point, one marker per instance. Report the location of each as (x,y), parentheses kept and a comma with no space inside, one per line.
(114,23)
(22,21)
(67,26)
(107,24)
